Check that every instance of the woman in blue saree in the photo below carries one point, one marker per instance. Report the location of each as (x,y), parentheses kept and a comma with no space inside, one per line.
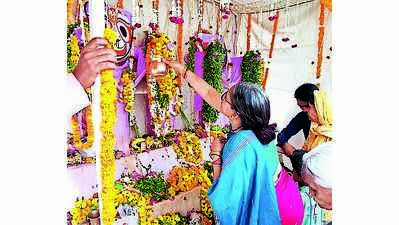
(243,191)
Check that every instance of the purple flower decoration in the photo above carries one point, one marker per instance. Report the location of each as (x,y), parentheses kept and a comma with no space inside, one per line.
(285,39)
(78,33)
(271,18)
(136,176)
(137,25)
(170,46)
(225,16)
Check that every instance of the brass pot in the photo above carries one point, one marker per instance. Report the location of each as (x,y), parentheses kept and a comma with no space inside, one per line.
(94,214)
(158,68)
(94,217)
(94,221)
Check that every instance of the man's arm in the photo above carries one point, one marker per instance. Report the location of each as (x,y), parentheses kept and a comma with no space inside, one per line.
(94,58)
(299,122)
(77,97)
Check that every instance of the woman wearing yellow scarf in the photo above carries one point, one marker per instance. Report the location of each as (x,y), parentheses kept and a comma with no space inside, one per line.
(319,112)
(320,115)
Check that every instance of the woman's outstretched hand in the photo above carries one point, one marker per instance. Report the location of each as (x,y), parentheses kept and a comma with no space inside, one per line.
(175,65)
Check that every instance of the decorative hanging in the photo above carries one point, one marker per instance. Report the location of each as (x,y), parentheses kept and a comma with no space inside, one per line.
(154,20)
(177,12)
(252,67)
(136,13)
(213,65)
(249,27)
(200,14)
(127,97)
(320,41)
(225,8)
(161,90)
(108,120)
(120,4)
(275,26)
(179,21)
(328,4)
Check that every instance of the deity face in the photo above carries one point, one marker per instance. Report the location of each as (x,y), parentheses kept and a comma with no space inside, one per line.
(120,21)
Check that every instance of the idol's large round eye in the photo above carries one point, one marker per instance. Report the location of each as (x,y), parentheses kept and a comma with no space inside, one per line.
(123,30)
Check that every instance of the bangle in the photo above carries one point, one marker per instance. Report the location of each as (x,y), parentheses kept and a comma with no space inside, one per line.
(214,154)
(217,162)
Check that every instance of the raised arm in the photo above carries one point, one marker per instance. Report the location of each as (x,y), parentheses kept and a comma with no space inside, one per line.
(201,87)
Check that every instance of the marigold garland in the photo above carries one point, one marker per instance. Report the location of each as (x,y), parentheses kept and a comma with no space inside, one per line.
(249,30)
(70,16)
(180,42)
(108,119)
(320,41)
(73,53)
(275,26)
(127,97)
(184,179)
(188,147)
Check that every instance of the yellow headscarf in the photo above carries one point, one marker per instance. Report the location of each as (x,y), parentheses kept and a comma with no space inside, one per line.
(320,131)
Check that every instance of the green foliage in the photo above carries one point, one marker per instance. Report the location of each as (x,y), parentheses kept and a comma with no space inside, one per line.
(209,168)
(162,99)
(213,62)
(191,52)
(252,68)
(156,187)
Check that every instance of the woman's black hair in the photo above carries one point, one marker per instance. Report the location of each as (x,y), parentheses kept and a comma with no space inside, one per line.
(305,92)
(253,108)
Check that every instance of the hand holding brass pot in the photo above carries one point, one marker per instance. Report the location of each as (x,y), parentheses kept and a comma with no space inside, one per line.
(158,68)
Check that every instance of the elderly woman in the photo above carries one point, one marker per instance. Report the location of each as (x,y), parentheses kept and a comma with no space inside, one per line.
(317,174)
(246,167)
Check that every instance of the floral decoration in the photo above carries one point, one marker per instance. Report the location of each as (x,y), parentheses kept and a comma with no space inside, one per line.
(172,218)
(213,64)
(82,208)
(252,67)
(108,120)
(188,147)
(320,41)
(127,96)
(184,179)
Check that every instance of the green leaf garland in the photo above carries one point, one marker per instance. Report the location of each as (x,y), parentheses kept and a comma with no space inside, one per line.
(213,64)
(252,67)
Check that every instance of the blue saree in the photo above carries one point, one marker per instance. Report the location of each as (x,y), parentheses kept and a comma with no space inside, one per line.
(245,194)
